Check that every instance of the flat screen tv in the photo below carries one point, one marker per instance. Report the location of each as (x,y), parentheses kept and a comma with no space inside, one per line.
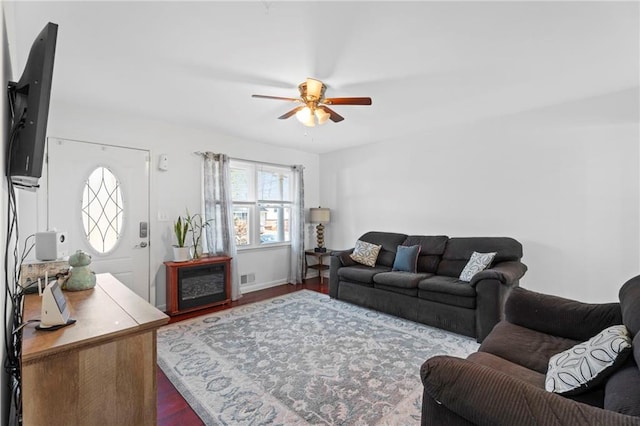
(29,102)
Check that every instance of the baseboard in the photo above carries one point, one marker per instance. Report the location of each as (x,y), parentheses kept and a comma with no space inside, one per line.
(248,288)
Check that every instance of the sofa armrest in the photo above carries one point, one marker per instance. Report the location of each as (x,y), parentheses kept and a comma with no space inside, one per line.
(338,259)
(484,396)
(508,273)
(493,286)
(559,316)
(344,256)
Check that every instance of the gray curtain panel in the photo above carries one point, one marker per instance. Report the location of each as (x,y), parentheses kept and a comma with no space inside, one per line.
(296,265)
(218,208)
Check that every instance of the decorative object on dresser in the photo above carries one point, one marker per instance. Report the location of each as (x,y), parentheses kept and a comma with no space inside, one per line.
(81,277)
(320,216)
(198,284)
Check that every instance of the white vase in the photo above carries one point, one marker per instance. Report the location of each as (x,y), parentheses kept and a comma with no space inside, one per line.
(181,254)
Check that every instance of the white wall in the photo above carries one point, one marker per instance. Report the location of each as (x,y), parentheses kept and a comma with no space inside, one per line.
(179,188)
(563,181)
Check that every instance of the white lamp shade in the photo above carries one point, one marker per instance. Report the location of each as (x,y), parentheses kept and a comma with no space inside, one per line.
(305,116)
(322,115)
(320,215)
(314,88)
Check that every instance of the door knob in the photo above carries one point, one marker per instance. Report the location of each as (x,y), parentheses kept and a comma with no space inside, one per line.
(142,244)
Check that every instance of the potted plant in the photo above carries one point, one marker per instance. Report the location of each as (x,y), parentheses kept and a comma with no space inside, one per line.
(180,228)
(197,225)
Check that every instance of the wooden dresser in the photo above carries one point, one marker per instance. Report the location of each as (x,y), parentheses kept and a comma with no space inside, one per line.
(100,370)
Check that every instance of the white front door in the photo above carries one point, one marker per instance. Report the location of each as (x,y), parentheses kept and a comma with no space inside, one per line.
(99,195)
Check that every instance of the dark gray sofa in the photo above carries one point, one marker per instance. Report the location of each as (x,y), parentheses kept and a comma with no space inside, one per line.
(504,382)
(433,295)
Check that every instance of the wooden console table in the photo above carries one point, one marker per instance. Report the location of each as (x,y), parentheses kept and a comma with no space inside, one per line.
(204,273)
(100,370)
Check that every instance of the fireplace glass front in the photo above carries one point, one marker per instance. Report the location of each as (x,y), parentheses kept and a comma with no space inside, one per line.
(201,285)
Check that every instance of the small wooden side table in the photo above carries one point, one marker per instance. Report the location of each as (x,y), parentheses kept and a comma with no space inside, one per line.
(319,266)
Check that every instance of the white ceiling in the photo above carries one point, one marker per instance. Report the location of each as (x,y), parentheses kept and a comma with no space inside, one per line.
(425,64)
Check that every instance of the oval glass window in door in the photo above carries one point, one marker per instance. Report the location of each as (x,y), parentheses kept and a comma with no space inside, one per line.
(102,212)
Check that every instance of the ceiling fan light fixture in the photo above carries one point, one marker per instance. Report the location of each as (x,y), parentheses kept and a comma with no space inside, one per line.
(314,88)
(314,109)
(322,115)
(305,116)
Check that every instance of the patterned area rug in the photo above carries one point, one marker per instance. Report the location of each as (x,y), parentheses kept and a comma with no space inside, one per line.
(302,359)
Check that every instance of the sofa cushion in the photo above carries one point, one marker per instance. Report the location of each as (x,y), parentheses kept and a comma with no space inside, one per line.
(365,253)
(629,302)
(389,242)
(412,292)
(589,363)
(529,348)
(431,249)
(507,367)
(361,273)
(622,391)
(477,263)
(559,316)
(459,251)
(406,259)
(447,290)
(636,348)
(400,279)
(429,245)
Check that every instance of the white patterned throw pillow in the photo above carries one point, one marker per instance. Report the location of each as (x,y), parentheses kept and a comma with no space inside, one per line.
(478,262)
(587,364)
(365,253)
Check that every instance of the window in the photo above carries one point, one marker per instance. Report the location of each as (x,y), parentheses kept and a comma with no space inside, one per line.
(262,198)
(102,210)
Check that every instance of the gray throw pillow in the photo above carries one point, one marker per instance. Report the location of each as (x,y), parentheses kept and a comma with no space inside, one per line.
(365,253)
(587,364)
(478,262)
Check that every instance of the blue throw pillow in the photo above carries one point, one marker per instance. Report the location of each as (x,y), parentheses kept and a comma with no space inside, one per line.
(406,259)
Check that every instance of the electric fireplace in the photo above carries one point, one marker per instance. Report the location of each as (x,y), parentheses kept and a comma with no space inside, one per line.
(198,284)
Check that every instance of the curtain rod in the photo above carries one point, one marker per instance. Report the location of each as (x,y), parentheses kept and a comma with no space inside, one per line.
(252,161)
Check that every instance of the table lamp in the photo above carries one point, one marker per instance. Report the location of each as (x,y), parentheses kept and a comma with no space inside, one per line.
(320,216)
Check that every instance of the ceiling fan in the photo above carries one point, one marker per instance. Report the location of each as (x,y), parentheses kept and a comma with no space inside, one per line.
(314,105)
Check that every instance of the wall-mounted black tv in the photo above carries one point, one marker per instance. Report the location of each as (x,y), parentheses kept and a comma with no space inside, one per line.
(29,103)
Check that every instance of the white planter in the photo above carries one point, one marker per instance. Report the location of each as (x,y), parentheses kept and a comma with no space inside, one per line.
(181,254)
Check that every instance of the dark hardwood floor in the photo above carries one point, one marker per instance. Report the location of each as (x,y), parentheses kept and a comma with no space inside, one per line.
(172,408)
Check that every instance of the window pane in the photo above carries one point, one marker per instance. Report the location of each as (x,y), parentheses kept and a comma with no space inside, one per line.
(102,210)
(241,223)
(274,224)
(273,185)
(240,184)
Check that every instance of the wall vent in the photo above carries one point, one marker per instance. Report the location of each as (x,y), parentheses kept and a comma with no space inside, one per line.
(247,278)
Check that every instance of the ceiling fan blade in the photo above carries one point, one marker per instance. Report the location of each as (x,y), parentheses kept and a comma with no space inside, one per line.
(290,113)
(347,101)
(276,97)
(333,116)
